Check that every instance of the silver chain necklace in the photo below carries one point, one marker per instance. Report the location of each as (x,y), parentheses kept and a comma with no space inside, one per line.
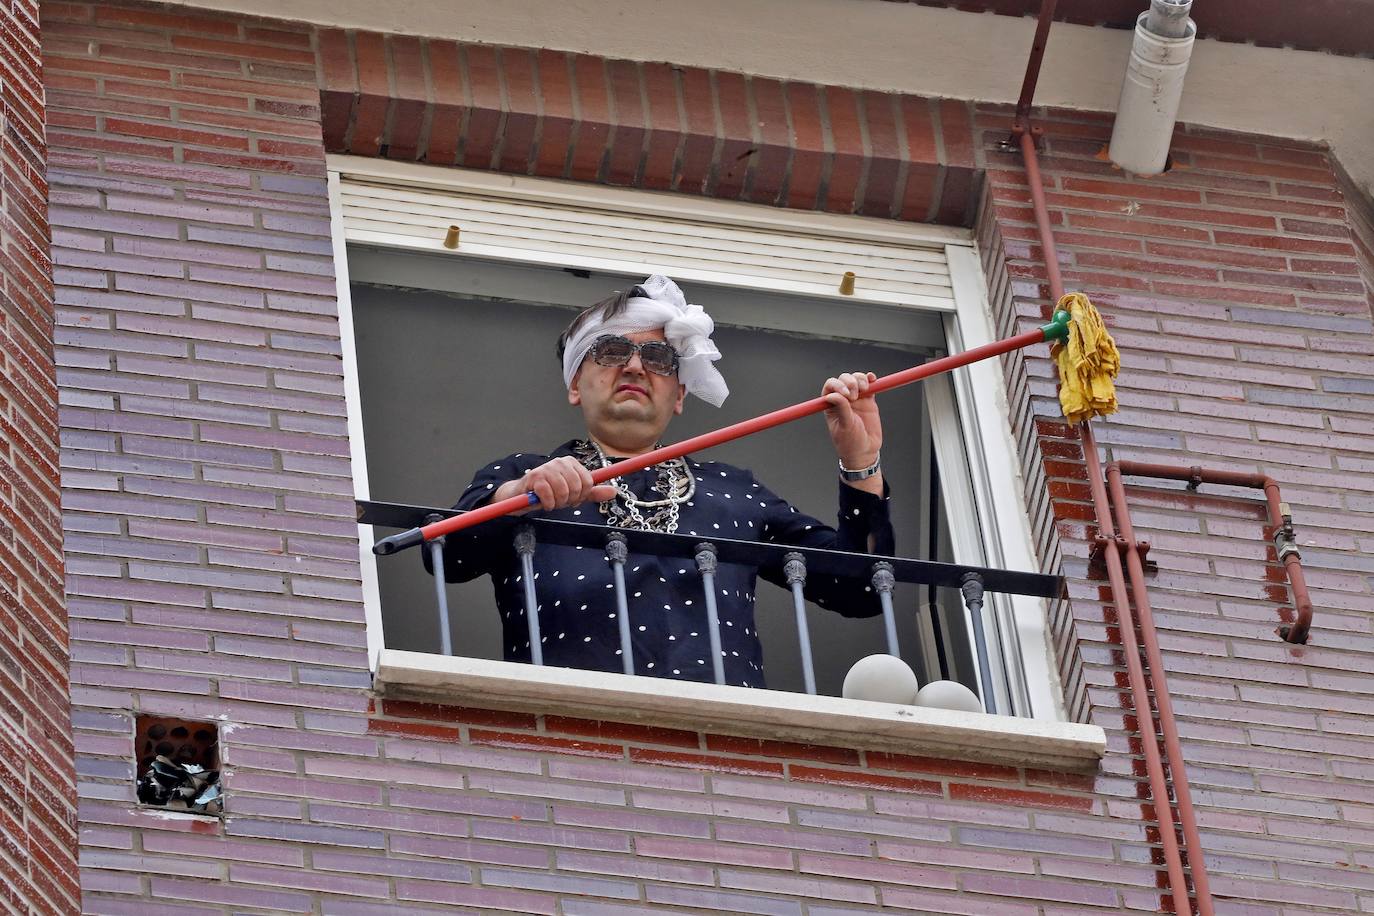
(675,482)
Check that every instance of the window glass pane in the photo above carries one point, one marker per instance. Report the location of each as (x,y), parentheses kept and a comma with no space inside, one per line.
(451,381)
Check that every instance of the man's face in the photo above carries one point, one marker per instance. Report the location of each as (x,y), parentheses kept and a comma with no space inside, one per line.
(627,399)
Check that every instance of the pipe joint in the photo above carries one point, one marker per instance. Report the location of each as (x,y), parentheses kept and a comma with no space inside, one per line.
(1286,542)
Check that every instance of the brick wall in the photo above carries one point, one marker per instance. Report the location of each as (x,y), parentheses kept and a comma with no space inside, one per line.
(1233,287)
(210,543)
(37,784)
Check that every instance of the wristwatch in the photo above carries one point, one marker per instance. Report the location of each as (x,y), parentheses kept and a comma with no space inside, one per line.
(863,473)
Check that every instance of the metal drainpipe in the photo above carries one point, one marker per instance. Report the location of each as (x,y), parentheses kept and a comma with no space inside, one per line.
(1183,795)
(1140,696)
(1112,547)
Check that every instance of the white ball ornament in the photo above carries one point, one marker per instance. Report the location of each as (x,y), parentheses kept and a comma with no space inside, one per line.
(880,679)
(948,695)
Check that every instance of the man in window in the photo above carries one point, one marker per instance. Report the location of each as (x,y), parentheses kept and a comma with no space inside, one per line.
(629,362)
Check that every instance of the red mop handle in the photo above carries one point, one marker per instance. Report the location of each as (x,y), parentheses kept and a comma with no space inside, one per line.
(1055,330)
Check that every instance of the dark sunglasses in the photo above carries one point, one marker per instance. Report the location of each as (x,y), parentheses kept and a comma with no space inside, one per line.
(614,351)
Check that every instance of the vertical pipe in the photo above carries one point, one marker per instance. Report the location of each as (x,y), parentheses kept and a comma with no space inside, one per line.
(1140,693)
(1168,728)
(972,587)
(524,545)
(1037,54)
(706,564)
(884,581)
(617,552)
(794,566)
(1037,191)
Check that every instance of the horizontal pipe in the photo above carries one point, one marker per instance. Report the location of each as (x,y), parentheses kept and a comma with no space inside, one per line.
(1273,499)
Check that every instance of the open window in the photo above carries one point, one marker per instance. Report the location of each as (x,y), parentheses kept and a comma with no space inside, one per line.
(449,364)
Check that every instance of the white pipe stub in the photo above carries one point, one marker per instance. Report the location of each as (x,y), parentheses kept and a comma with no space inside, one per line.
(1151,92)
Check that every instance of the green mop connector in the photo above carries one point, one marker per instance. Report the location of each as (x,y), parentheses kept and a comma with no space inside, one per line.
(1058,329)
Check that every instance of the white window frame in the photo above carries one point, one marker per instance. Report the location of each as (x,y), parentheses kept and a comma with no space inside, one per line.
(969,417)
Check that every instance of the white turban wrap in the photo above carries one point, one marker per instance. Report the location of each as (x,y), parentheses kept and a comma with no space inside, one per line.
(687,327)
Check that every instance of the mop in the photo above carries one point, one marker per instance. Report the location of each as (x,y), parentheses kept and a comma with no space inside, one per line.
(1083,350)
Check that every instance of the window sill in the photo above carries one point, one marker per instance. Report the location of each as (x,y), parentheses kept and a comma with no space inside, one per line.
(740,710)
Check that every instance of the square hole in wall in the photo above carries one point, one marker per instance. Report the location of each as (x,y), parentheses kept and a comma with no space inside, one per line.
(178,764)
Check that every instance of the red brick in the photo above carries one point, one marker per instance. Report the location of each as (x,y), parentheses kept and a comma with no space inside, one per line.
(406,111)
(248,50)
(708,762)
(406,709)
(522,110)
(120,126)
(809,156)
(864,779)
(557,124)
(593,130)
(545,742)
(956,133)
(299,39)
(103,68)
(621,731)
(737,149)
(1284,243)
(770,160)
(374,88)
(940,766)
(412,729)
(1268,169)
(699,145)
(108,14)
(664,118)
(627,143)
(446,118)
(734,744)
(847,166)
(884,170)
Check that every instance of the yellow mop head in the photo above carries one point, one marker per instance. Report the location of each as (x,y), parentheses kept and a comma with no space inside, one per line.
(1088,361)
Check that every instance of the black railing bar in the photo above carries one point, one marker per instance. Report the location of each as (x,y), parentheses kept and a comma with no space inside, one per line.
(818,561)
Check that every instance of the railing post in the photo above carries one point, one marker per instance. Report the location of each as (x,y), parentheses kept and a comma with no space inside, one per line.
(524,546)
(794,566)
(972,587)
(436,558)
(884,581)
(706,565)
(617,551)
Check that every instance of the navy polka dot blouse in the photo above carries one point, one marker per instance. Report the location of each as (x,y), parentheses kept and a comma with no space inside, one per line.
(577,607)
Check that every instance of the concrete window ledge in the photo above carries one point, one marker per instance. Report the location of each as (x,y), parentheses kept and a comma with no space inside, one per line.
(739,710)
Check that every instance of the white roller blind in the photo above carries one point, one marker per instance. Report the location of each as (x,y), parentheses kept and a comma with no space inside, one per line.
(533,221)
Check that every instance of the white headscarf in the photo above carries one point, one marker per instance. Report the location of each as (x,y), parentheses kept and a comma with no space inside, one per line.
(687,327)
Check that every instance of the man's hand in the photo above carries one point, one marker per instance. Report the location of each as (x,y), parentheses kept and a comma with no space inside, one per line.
(855,428)
(559,483)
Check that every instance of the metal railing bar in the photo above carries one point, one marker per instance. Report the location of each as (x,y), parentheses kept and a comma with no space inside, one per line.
(819,562)
(883,582)
(706,564)
(436,557)
(524,546)
(616,553)
(795,569)
(972,588)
